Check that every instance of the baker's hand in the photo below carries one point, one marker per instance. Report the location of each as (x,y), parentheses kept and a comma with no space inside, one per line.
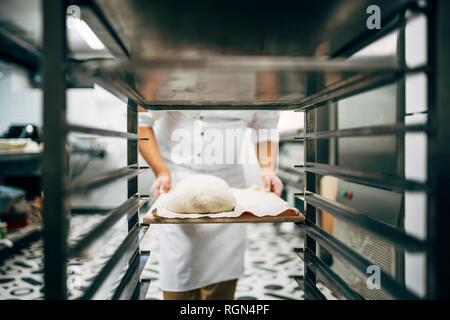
(161,185)
(272,183)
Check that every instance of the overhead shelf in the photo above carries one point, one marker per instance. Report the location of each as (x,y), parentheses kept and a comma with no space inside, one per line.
(239,82)
(185,60)
(235,28)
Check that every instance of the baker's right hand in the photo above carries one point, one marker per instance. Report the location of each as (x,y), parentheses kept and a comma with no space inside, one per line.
(161,185)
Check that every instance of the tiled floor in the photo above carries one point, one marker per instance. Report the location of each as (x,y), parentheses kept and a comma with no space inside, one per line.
(269,264)
(21,276)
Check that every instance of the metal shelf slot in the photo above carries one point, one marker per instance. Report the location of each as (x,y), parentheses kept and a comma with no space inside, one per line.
(102,132)
(310,289)
(391,234)
(370,178)
(336,247)
(84,186)
(141,291)
(334,282)
(128,207)
(363,132)
(353,86)
(130,282)
(103,284)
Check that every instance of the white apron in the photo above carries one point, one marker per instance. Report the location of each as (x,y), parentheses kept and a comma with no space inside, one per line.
(196,255)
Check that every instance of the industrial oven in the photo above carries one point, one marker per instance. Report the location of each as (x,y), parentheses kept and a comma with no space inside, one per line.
(373,178)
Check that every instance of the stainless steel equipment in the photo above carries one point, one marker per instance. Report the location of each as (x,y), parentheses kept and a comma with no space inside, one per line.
(304,46)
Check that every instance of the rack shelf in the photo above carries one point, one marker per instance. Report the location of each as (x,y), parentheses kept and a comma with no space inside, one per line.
(236,80)
(244,218)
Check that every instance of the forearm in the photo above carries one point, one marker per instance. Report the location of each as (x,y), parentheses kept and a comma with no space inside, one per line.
(267,153)
(150,151)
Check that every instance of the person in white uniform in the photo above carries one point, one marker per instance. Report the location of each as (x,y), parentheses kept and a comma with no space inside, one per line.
(202,261)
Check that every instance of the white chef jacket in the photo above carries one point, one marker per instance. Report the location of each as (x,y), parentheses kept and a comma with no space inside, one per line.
(196,255)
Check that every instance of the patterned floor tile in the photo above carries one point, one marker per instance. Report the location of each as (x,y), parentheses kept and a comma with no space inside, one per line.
(269,264)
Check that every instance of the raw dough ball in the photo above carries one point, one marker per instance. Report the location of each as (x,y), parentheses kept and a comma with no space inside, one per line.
(200,194)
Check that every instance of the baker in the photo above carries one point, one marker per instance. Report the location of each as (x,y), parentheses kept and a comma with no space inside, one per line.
(203,261)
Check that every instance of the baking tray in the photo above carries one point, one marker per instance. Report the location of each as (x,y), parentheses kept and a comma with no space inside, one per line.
(246,217)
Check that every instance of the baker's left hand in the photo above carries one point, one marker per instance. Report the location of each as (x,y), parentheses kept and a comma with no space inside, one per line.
(272,183)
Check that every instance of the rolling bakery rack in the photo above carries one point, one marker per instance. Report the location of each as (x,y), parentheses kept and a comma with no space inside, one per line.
(149,38)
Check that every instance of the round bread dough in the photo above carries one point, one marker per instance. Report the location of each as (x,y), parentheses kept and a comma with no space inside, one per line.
(200,194)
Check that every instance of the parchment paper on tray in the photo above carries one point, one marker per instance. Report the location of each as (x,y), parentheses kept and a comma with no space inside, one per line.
(251,200)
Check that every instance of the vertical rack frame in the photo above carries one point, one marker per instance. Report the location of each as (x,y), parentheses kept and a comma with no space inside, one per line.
(132,153)
(55,161)
(57,188)
(438,170)
(310,149)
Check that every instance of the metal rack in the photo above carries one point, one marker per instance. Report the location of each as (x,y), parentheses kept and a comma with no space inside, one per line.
(122,78)
(57,188)
(52,60)
(435,247)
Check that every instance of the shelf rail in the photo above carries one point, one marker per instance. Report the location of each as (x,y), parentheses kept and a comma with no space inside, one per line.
(389,182)
(86,185)
(101,132)
(358,262)
(104,282)
(364,131)
(310,289)
(384,231)
(129,207)
(333,281)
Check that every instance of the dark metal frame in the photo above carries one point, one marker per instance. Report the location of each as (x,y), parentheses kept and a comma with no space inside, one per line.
(438,171)
(437,244)
(57,187)
(55,161)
